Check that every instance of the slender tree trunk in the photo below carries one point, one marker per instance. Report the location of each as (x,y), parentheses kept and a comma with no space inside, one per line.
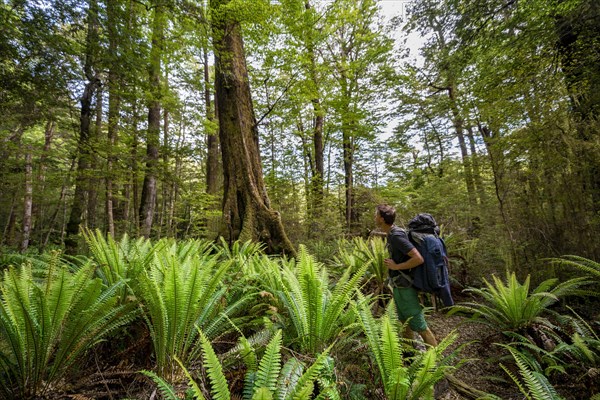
(134,185)
(149,188)
(114,105)
(459,129)
(212,138)
(497,170)
(348,150)
(92,202)
(479,188)
(28,202)
(9,229)
(316,190)
(60,205)
(82,179)
(246,207)
(166,176)
(41,180)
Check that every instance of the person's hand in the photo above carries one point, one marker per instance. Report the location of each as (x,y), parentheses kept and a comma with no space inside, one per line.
(390,263)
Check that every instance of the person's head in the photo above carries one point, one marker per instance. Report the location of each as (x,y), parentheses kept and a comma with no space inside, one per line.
(385,213)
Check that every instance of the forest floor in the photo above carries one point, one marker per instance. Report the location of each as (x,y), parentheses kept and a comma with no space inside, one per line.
(483,355)
(110,374)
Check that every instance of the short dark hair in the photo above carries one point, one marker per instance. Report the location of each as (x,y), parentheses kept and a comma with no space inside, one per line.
(388,213)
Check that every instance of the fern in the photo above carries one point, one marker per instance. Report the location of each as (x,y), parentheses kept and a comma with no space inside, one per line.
(48,325)
(165,389)
(511,306)
(317,315)
(399,381)
(581,263)
(288,378)
(533,384)
(220,390)
(178,293)
(269,367)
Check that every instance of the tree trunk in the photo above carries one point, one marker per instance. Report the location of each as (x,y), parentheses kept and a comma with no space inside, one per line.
(480,189)
(246,208)
(82,179)
(114,104)
(348,149)
(28,202)
(149,188)
(459,129)
(212,139)
(316,190)
(92,201)
(41,180)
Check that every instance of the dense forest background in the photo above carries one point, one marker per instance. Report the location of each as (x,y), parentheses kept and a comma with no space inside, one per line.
(118,115)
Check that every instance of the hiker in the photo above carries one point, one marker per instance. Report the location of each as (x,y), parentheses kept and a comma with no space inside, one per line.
(403,257)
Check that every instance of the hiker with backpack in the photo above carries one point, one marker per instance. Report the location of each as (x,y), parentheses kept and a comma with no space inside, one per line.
(404,257)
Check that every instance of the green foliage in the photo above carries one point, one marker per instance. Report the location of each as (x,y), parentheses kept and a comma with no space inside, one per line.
(581,263)
(511,306)
(373,251)
(316,315)
(267,380)
(165,389)
(180,294)
(124,260)
(399,381)
(47,324)
(533,384)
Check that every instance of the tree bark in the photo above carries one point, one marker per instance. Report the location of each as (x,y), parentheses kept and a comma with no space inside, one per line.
(149,188)
(94,180)
(82,179)
(246,208)
(212,139)
(316,189)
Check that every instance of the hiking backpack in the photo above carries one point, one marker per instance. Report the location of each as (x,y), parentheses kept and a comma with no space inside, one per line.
(432,275)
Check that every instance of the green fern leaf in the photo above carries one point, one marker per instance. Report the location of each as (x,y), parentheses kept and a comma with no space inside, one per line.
(220,389)
(288,378)
(165,389)
(262,393)
(269,366)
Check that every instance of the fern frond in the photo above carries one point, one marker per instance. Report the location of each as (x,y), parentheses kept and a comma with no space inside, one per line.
(220,389)
(390,347)
(270,365)
(196,391)
(288,378)
(305,385)
(165,389)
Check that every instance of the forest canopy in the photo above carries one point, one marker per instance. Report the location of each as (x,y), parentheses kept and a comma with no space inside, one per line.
(132,117)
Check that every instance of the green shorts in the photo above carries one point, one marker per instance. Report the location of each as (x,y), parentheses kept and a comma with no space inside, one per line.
(409,308)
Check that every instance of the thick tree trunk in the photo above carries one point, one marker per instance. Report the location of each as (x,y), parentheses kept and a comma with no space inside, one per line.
(246,208)
(149,188)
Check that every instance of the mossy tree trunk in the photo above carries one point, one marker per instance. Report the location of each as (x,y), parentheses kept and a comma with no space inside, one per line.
(247,211)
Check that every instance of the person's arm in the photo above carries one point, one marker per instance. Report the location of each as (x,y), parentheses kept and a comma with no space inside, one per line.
(415,260)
